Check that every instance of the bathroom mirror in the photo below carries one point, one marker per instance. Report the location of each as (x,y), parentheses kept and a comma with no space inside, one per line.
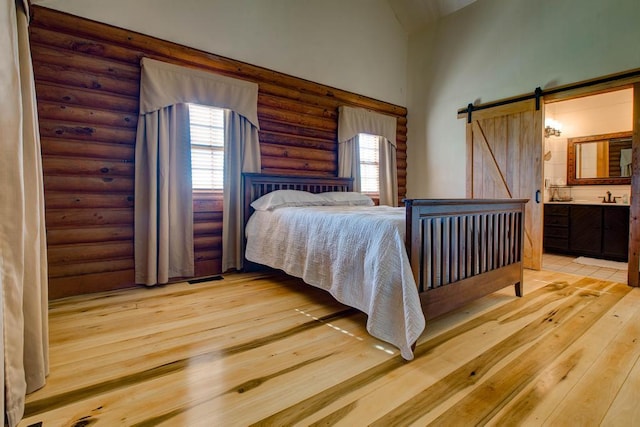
(599,159)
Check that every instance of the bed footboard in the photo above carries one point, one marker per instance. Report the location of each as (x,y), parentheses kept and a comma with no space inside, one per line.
(461,250)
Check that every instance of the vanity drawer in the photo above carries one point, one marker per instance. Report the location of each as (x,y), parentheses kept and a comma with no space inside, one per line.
(556,232)
(556,220)
(560,210)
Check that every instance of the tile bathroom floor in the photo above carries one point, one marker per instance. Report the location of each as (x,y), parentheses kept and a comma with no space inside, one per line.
(567,264)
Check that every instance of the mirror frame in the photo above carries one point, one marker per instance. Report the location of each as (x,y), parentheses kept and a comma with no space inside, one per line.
(571,160)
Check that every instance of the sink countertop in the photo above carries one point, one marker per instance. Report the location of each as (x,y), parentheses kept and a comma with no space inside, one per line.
(585,202)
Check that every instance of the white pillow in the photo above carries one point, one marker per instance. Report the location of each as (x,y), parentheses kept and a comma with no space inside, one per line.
(286,198)
(346,198)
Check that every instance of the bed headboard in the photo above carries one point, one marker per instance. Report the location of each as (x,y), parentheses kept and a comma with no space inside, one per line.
(257,185)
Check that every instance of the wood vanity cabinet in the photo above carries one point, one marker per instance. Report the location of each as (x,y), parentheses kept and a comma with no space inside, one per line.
(588,230)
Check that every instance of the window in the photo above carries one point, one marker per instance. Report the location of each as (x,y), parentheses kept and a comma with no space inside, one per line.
(369,163)
(207,147)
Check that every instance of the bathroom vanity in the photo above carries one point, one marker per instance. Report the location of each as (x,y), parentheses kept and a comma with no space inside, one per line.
(593,230)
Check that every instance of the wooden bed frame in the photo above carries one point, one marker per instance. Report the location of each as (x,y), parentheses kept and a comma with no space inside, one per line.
(459,249)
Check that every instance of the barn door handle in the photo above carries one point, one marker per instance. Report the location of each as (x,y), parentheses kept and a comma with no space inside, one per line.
(537,196)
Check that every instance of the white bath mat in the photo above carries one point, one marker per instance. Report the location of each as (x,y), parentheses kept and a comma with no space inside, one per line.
(601,263)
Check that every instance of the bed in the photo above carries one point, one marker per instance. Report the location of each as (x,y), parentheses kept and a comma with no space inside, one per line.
(419,262)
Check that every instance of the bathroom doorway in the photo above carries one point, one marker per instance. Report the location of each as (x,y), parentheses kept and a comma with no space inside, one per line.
(579,172)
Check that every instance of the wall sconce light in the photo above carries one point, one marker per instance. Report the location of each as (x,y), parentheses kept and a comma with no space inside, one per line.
(552,128)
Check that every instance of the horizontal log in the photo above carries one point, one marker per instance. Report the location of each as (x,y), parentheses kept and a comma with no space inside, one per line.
(102,266)
(299,164)
(296,172)
(77,166)
(88,184)
(207,216)
(203,255)
(208,267)
(52,146)
(272,150)
(207,228)
(297,119)
(67,236)
(66,254)
(323,101)
(85,217)
(275,126)
(266,102)
(72,60)
(206,205)
(46,34)
(60,287)
(65,200)
(58,74)
(296,141)
(89,98)
(68,113)
(86,132)
(207,242)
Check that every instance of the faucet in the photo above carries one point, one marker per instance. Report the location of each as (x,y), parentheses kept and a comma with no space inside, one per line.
(608,198)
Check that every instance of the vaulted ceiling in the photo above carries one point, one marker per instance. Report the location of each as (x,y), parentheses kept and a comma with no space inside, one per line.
(417,14)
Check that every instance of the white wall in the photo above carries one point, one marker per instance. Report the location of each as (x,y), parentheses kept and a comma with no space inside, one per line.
(495,49)
(355,45)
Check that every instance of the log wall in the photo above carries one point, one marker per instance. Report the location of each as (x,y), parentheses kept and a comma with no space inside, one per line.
(87,83)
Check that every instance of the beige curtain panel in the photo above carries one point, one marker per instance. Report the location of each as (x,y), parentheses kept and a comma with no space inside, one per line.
(23,260)
(353,121)
(349,161)
(388,169)
(241,154)
(163,207)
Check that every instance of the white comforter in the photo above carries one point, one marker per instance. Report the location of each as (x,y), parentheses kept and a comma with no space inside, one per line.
(356,253)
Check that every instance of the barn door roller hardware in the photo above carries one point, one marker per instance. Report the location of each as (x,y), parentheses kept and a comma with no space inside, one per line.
(538,93)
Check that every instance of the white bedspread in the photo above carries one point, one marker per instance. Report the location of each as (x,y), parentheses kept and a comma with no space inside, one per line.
(356,253)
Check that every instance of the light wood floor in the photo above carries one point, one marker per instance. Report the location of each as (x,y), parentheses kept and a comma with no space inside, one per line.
(268,350)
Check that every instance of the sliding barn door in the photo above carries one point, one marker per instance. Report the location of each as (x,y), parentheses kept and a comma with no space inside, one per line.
(504,160)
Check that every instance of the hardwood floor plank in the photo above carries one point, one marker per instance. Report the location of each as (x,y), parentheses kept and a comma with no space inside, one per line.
(625,408)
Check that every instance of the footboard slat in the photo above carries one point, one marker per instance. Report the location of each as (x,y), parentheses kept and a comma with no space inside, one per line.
(449,241)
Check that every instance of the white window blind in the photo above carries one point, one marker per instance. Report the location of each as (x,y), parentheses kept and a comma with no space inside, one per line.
(207,147)
(369,163)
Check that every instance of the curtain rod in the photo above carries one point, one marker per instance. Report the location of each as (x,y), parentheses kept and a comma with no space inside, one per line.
(538,93)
